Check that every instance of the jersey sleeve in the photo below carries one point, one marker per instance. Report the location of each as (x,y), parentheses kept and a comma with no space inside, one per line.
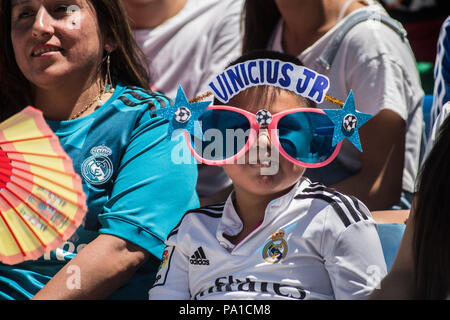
(353,257)
(151,192)
(172,280)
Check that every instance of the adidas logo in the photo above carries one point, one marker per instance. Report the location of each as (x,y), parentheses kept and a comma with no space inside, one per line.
(199,258)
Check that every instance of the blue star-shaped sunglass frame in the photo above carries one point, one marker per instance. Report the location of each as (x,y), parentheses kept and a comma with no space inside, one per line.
(337,116)
(195,110)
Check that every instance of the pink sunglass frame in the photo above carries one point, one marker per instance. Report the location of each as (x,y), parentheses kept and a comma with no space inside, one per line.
(273,134)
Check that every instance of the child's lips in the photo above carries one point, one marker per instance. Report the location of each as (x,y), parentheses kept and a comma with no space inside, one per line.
(264,163)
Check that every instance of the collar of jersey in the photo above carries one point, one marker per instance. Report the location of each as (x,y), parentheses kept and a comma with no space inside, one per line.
(67,127)
(231,224)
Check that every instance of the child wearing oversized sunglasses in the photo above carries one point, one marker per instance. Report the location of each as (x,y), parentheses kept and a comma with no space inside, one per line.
(278,235)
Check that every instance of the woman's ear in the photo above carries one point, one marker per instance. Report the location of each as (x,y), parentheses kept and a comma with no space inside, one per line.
(109,44)
(109,47)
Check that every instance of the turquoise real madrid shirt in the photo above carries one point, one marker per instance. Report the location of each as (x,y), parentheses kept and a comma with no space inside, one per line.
(134,189)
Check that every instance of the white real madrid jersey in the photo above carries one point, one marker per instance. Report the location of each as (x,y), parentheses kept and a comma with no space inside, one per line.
(314,243)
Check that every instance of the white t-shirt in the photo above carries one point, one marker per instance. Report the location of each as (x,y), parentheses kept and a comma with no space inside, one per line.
(314,243)
(190,49)
(381,70)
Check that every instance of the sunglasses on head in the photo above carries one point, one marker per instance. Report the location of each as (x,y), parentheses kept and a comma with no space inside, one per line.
(303,135)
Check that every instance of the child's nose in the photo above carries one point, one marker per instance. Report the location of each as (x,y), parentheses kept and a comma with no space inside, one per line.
(264,143)
(264,138)
(261,150)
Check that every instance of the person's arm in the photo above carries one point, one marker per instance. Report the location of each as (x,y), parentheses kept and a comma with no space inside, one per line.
(386,85)
(391,216)
(379,182)
(149,197)
(399,283)
(82,278)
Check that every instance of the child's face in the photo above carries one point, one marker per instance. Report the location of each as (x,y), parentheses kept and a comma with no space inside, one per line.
(271,173)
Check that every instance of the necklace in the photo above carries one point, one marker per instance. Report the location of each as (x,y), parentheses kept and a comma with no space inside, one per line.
(99,103)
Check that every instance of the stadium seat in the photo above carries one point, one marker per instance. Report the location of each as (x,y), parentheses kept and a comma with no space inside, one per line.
(391,226)
(390,236)
(426,109)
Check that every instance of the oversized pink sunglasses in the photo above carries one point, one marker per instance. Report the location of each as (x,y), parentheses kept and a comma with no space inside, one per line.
(224,134)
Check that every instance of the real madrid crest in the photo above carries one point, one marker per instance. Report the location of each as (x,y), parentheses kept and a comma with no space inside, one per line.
(276,249)
(98,168)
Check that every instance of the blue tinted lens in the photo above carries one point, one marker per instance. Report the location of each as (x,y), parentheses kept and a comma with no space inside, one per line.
(224,134)
(306,136)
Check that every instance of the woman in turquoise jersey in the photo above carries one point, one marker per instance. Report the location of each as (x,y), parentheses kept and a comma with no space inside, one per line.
(77,62)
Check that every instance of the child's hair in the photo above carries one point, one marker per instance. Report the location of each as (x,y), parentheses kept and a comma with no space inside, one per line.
(265,95)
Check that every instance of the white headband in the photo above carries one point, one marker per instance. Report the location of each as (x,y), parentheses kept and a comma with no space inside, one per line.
(285,75)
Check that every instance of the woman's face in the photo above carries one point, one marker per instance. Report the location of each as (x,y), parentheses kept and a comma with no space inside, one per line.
(56,41)
(269,173)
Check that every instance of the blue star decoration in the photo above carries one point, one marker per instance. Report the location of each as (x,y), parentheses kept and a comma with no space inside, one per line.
(183,114)
(347,121)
